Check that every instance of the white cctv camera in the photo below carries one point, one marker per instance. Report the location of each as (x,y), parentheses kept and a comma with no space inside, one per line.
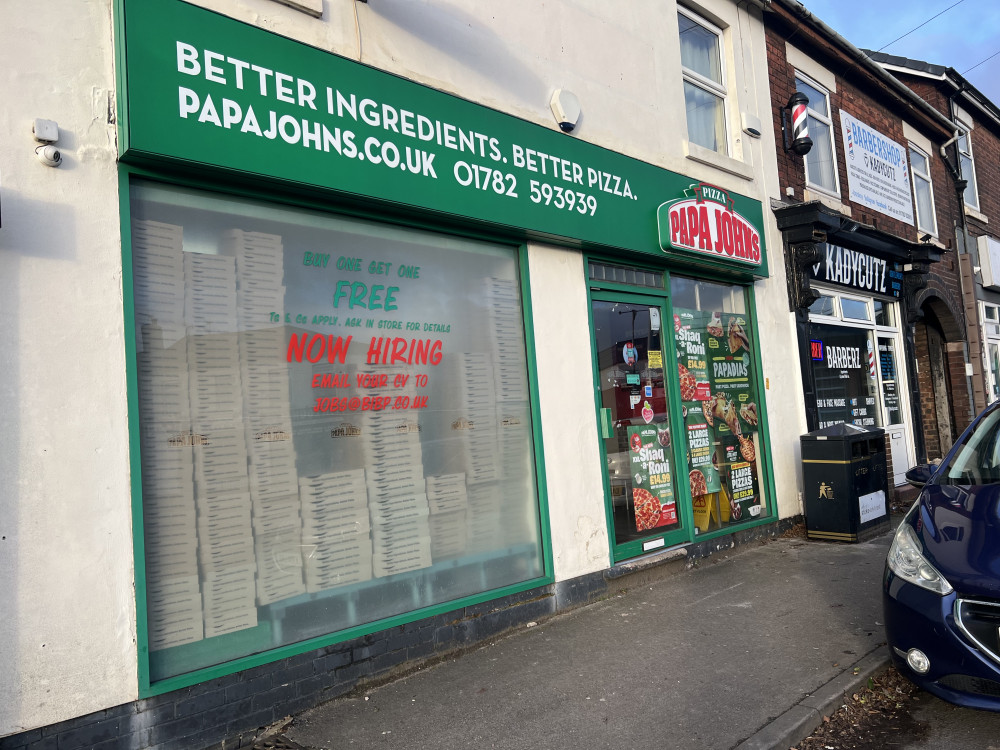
(566,109)
(50,156)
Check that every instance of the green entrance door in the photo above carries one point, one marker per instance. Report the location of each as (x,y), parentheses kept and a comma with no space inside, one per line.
(644,509)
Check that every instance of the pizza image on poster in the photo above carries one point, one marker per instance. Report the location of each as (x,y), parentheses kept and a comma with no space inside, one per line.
(741,479)
(691,336)
(652,485)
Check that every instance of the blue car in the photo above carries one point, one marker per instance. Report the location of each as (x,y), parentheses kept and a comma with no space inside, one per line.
(941,588)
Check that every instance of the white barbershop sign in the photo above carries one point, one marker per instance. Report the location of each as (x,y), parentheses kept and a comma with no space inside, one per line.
(878,173)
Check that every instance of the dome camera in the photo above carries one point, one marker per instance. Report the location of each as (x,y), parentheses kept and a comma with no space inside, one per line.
(50,156)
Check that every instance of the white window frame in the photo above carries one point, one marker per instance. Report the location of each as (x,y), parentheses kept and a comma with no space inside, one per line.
(991,337)
(922,225)
(827,120)
(707,84)
(966,133)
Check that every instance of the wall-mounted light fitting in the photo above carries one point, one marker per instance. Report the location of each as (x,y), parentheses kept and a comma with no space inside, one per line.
(798,142)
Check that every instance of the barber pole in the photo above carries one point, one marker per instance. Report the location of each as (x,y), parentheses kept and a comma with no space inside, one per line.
(801,142)
(871,360)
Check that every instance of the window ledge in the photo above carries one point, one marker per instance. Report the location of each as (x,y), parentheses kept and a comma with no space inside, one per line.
(311,7)
(973,213)
(827,200)
(713,159)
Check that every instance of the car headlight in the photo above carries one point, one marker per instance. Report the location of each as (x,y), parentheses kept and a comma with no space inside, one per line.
(908,562)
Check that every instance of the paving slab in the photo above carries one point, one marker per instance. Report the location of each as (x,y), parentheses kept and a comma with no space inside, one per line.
(748,647)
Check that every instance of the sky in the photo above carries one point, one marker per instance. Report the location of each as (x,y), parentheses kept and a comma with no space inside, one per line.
(960,38)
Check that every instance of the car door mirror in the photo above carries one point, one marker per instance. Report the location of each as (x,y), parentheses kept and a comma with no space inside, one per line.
(920,475)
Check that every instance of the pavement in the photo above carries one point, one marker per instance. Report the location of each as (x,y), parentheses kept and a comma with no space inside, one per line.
(745,650)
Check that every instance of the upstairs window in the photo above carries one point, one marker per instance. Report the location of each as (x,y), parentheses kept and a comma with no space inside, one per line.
(821,161)
(923,191)
(704,82)
(968,168)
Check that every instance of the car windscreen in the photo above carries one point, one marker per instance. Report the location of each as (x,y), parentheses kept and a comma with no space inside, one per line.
(977,460)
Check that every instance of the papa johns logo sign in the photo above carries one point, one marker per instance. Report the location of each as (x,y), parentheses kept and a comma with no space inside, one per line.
(704,223)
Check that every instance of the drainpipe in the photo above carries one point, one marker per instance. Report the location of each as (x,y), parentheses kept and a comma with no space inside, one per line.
(960,185)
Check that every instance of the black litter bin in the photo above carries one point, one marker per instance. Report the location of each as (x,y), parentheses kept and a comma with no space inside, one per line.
(845,483)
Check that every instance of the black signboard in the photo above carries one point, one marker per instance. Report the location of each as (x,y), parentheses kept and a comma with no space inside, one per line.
(846,379)
(854,269)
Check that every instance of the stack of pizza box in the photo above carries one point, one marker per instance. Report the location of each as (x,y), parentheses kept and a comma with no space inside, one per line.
(336,529)
(514,446)
(225,535)
(277,526)
(173,590)
(397,496)
(448,502)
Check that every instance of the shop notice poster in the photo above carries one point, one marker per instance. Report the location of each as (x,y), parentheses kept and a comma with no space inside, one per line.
(652,489)
(716,363)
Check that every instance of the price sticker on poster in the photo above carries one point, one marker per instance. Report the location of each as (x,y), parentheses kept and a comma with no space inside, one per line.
(652,485)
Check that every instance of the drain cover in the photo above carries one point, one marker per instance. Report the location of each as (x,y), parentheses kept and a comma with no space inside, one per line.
(277,742)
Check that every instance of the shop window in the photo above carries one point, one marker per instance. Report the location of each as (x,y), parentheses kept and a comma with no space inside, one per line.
(624,275)
(821,161)
(704,81)
(854,309)
(720,392)
(968,166)
(824,305)
(883,313)
(333,420)
(923,190)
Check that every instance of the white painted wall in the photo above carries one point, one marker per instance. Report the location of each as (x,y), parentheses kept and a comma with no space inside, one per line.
(67,629)
(67,643)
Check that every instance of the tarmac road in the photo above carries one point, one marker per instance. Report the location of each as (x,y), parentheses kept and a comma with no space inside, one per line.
(952,727)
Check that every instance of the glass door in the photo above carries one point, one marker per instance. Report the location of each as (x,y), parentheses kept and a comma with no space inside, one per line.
(635,424)
(895,428)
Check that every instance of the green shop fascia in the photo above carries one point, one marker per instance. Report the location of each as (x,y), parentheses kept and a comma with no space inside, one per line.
(333,402)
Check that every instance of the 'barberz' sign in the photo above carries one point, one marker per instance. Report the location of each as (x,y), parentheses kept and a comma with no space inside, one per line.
(705,223)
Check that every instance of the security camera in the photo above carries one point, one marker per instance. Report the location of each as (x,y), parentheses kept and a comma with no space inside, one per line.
(50,156)
(566,109)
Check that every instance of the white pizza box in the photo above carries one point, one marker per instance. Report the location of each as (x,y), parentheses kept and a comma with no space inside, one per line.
(353,517)
(221,557)
(271,591)
(404,512)
(329,546)
(167,527)
(336,528)
(230,623)
(152,227)
(448,524)
(178,608)
(160,587)
(446,480)
(272,487)
(333,478)
(231,527)
(223,502)
(175,634)
(394,554)
(390,472)
(316,584)
(155,513)
(332,491)
(397,566)
(393,536)
(332,509)
(333,568)
(209,263)
(443,550)
(445,490)
(270,445)
(394,460)
(221,479)
(226,590)
(255,301)
(276,508)
(407,450)
(447,505)
(259,392)
(175,561)
(167,484)
(219,440)
(385,493)
(279,526)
